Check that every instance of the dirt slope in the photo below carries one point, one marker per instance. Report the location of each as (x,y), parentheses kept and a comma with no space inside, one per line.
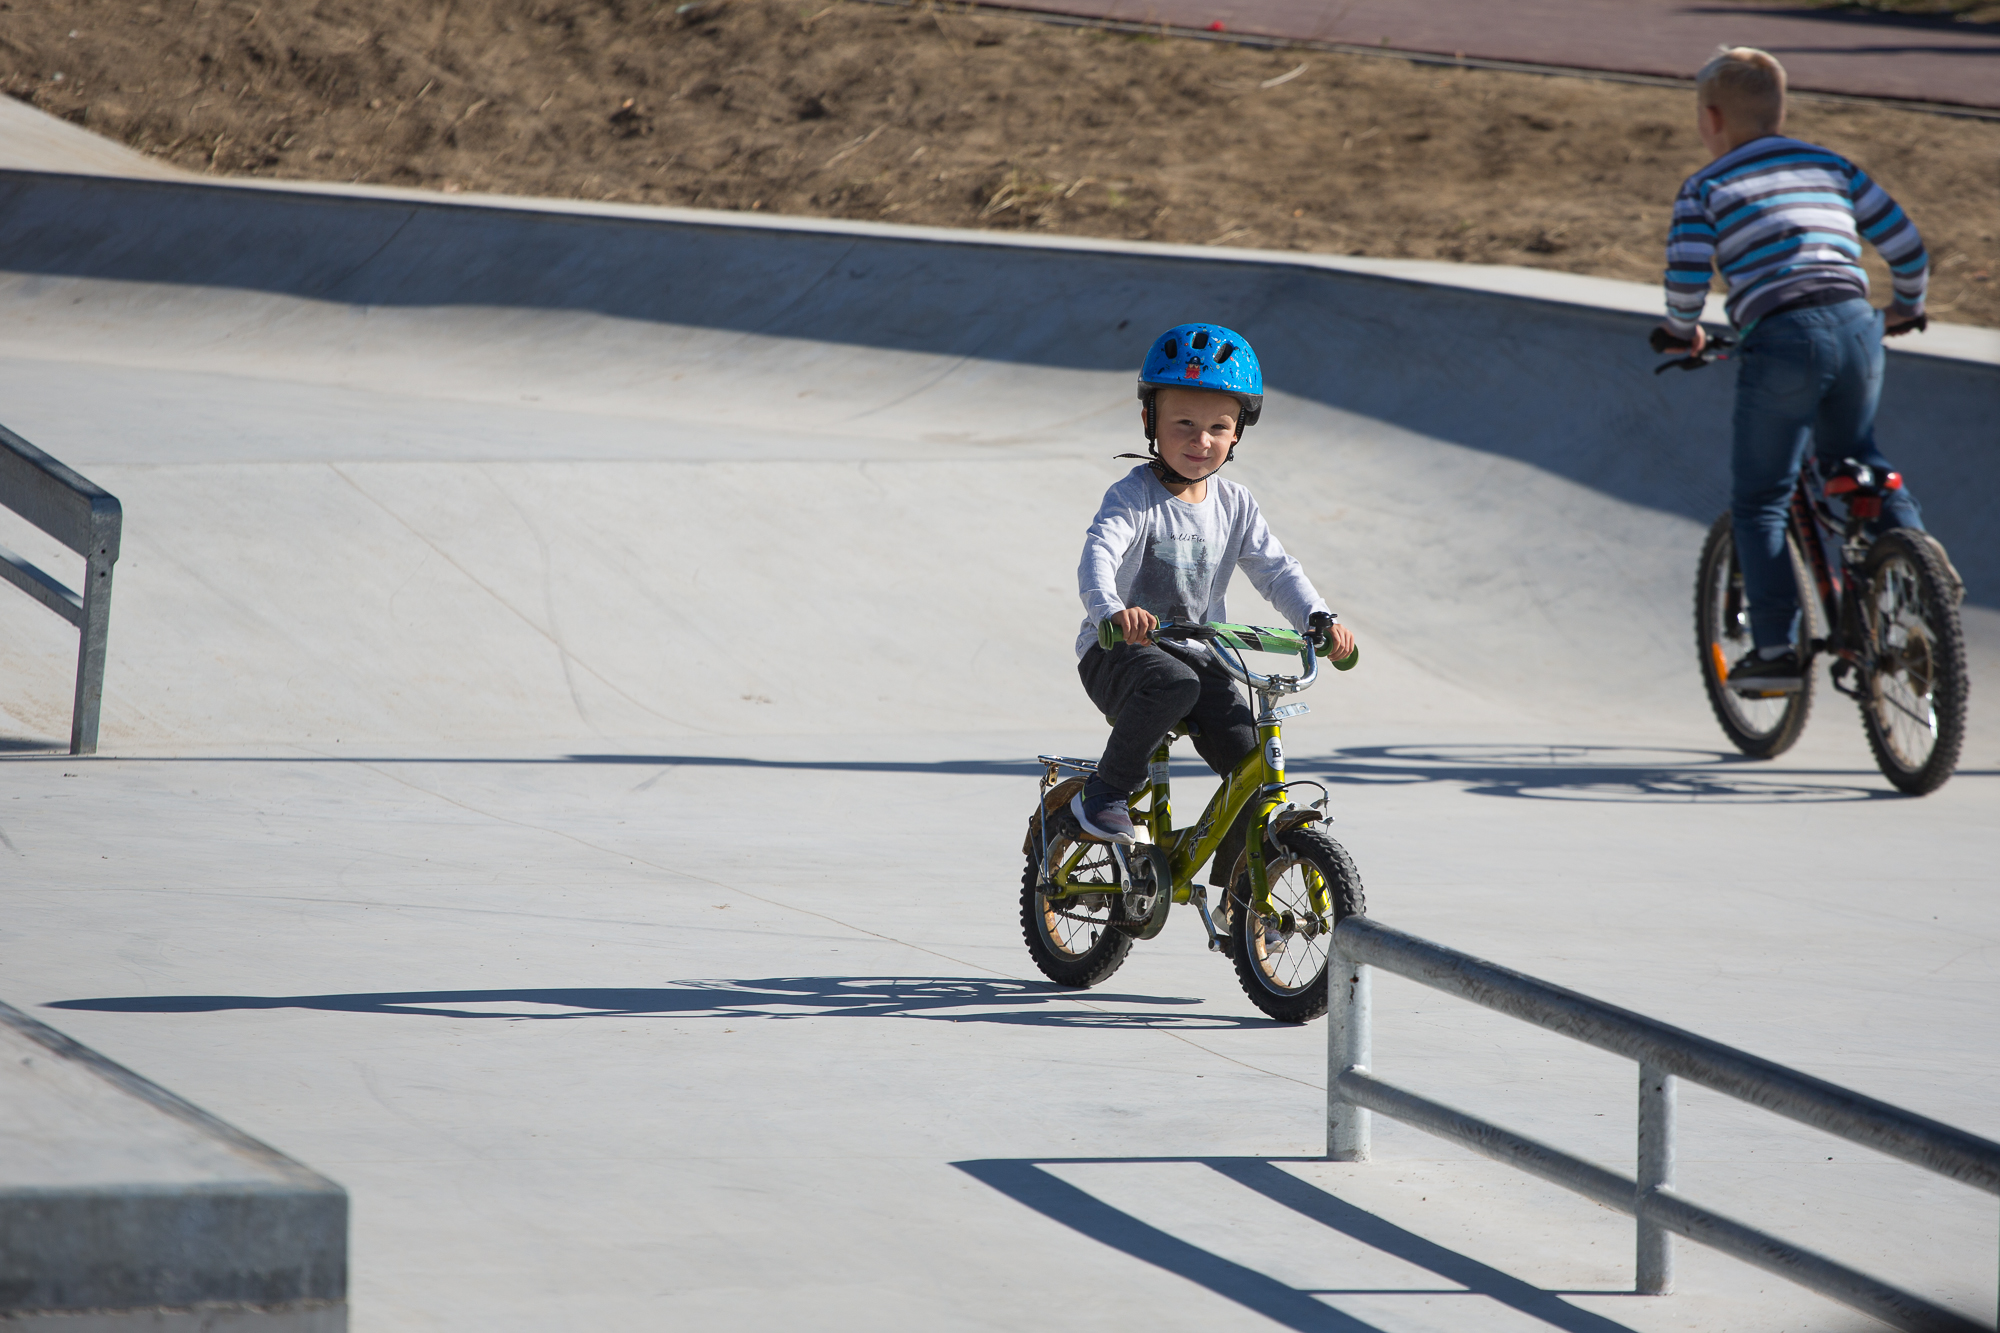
(934,116)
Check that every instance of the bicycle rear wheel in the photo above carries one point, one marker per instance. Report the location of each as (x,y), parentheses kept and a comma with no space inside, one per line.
(1076,941)
(1913,701)
(1762,728)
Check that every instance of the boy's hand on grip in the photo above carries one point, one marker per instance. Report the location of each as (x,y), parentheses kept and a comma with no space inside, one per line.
(1331,639)
(1135,624)
(1664,340)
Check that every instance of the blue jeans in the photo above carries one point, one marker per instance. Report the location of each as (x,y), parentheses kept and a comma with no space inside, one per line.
(1808,377)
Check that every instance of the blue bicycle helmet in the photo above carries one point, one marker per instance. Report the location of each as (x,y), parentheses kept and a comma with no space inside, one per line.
(1203,356)
(1199,356)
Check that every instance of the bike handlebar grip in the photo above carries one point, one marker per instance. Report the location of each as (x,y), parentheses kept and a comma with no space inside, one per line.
(1348,662)
(1108,635)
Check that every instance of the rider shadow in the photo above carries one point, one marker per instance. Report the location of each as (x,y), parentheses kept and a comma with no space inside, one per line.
(931,999)
(1654,775)
(1028,1182)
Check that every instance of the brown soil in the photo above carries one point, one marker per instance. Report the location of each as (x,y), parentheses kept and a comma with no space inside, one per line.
(958,119)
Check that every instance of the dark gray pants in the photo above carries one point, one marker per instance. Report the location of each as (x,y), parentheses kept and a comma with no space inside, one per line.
(1150,689)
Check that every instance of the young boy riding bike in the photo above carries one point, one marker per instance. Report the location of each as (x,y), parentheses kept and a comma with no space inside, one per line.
(1163,546)
(1783,220)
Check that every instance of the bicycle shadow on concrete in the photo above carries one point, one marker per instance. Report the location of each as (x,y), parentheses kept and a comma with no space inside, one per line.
(1656,775)
(932,999)
(1029,1182)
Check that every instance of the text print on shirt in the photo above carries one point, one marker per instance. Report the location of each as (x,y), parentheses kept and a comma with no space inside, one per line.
(1175,580)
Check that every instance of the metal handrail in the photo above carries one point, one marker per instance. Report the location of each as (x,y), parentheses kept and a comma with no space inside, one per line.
(88,520)
(1664,1053)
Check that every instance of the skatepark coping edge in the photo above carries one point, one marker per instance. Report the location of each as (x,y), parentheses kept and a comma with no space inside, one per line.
(1960,342)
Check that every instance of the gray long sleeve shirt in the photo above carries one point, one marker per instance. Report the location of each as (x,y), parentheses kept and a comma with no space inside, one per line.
(1147,548)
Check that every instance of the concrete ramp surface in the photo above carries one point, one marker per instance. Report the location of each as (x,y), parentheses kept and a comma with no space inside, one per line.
(570,665)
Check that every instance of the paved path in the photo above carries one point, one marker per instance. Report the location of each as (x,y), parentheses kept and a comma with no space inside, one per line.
(1921,59)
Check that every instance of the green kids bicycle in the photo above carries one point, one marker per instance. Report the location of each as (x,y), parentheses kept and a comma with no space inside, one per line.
(1285,881)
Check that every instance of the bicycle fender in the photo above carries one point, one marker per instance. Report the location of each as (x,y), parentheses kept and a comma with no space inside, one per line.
(1052,806)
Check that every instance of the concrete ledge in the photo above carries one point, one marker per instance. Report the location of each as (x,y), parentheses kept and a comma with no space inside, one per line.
(120,1201)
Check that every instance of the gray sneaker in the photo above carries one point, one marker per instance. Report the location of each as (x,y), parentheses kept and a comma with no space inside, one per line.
(1103,816)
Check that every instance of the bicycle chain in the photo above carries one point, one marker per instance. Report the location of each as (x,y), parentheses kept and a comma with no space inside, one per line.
(1054,910)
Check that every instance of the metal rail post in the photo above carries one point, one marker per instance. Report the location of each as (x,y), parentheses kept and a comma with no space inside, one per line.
(1346,1049)
(94,627)
(1656,1173)
(88,520)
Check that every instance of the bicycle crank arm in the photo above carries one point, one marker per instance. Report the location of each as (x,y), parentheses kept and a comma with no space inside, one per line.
(1148,910)
(1199,897)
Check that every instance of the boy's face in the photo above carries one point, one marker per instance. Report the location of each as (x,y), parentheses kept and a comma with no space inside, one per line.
(1196,429)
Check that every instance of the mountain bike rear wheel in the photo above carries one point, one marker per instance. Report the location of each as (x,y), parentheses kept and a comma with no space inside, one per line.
(1913,701)
(1760,728)
(1076,941)
(1281,957)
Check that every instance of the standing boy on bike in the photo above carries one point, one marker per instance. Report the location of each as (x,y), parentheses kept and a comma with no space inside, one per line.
(1164,543)
(1783,221)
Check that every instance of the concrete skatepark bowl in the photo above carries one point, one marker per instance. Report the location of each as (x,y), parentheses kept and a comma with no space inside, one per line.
(567,736)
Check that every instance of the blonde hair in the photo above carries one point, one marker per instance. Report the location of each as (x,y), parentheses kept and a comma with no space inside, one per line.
(1746,85)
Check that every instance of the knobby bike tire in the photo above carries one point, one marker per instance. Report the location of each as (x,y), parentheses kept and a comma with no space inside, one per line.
(1053,939)
(1283,987)
(1916,646)
(1760,728)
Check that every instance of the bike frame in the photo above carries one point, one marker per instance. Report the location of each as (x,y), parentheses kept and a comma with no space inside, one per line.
(1256,783)
(1833,556)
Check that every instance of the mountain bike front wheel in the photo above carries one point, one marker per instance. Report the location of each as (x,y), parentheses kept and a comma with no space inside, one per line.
(1076,940)
(1281,956)
(1762,728)
(1913,700)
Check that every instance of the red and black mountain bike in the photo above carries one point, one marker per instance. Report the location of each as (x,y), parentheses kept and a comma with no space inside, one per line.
(1883,608)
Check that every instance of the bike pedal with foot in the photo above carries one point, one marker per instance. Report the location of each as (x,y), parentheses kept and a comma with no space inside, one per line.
(1089,894)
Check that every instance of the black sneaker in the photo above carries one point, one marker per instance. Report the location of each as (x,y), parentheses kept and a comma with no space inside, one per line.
(1762,677)
(1102,813)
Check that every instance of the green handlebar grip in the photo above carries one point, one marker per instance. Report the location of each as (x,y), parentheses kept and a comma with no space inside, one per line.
(1348,662)
(1108,635)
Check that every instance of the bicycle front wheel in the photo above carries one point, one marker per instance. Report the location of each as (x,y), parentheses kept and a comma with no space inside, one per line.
(1762,728)
(1913,700)
(1281,956)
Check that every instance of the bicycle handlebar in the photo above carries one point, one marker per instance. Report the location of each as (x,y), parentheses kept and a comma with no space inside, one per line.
(1716,348)
(1242,638)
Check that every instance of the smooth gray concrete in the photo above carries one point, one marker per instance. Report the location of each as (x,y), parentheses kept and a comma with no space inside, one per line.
(118,1198)
(568,738)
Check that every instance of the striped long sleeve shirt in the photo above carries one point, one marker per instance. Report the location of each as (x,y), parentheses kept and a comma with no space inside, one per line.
(1783,221)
